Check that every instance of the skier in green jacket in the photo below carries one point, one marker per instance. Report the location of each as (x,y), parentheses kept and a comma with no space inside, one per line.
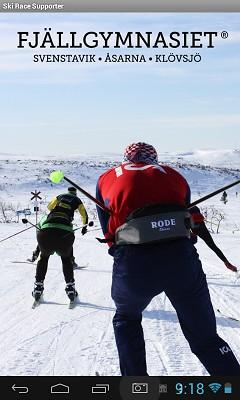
(56,235)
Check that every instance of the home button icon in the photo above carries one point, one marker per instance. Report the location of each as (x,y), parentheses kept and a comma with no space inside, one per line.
(59,388)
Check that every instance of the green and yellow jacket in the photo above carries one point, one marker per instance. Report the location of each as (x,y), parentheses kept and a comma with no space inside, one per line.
(62,210)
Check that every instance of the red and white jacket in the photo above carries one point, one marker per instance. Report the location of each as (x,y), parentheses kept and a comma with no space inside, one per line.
(129,186)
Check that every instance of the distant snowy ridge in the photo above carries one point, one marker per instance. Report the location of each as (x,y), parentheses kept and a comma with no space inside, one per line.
(216,158)
(229,158)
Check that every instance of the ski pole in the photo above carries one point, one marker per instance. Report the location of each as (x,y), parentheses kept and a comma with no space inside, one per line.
(209,222)
(91,223)
(57,176)
(95,229)
(26,221)
(208,196)
(15,234)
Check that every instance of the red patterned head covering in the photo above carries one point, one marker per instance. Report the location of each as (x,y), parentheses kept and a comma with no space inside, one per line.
(141,152)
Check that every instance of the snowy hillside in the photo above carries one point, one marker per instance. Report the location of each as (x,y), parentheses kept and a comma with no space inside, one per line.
(216,158)
(22,174)
(53,340)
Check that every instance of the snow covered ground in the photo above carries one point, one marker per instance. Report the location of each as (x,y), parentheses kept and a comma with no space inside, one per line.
(53,340)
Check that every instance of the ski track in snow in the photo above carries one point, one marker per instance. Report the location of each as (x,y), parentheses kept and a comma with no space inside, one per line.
(53,340)
(225,301)
(169,343)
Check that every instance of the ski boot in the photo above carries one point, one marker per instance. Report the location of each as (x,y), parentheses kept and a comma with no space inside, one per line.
(74,264)
(71,291)
(34,257)
(38,290)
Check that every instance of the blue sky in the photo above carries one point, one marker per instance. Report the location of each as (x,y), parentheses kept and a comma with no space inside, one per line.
(94,108)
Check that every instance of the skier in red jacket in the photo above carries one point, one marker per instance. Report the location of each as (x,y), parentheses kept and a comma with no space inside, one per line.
(148,234)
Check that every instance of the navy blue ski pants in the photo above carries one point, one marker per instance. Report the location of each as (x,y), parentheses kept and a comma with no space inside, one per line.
(141,272)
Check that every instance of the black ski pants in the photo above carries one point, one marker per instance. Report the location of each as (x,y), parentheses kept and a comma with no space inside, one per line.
(53,240)
(37,252)
(141,272)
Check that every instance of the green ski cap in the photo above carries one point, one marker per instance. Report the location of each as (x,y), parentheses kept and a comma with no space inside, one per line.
(56,176)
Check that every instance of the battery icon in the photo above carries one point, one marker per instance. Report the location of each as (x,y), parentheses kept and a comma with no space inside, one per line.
(228,388)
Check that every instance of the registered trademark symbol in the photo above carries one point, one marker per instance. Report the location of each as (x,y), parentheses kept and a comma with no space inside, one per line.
(224,34)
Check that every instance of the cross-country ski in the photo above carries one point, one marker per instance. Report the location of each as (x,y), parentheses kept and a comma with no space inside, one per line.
(36,303)
(72,304)
(228,316)
(23,262)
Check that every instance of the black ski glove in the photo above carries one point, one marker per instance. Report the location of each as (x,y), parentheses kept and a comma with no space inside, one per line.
(84,230)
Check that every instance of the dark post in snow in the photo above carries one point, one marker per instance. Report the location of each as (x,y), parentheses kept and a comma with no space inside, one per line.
(35,197)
